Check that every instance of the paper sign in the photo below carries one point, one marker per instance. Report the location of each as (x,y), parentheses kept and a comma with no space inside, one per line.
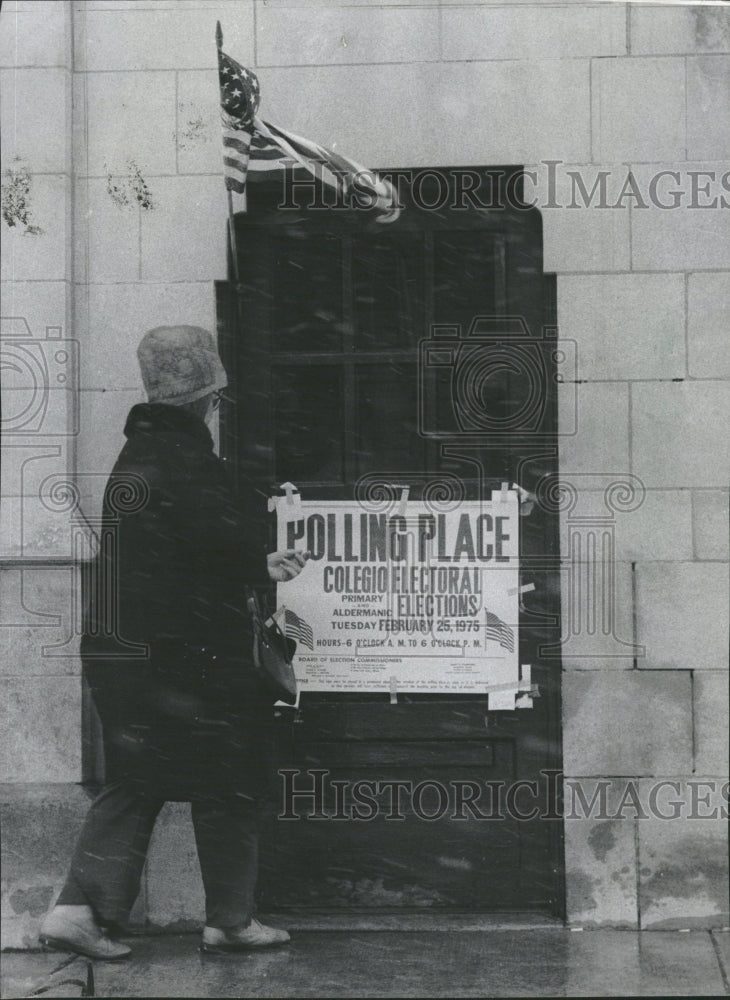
(420,598)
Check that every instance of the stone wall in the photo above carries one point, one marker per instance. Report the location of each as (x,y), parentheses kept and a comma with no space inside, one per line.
(119,131)
(41,701)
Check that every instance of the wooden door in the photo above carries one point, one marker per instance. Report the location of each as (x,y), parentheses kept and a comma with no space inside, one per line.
(324,338)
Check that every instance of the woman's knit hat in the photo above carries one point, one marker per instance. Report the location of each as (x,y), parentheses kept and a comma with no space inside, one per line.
(179,364)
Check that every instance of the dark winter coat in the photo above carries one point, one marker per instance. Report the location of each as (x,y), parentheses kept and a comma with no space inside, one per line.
(167,644)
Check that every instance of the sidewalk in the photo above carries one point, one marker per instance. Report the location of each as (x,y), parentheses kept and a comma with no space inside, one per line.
(542,962)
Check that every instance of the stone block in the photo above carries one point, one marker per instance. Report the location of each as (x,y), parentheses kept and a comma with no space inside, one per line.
(41,304)
(103,415)
(120,314)
(711,722)
(35,114)
(678,236)
(711,524)
(594,437)
(625,326)
(36,518)
(317,36)
(184,236)
(162,36)
(661,528)
(41,722)
(36,416)
(21,6)
(600,876)
(107,235)
(638,109)
(678,28)
(78,123)
(40,255)
(28,461)
(708,320)
(23,535)
(603,643)
(175,897)
(40,363)
(629,723)
(40,825)
(682,615)
(198,128)
(511,112)
(376,137)
(534,32)
(579,235)
(353,3)
(679,434)
(137,5)
(131,117)
(708,108)
(663,963)
(683,861)
(37,621)
(35,37)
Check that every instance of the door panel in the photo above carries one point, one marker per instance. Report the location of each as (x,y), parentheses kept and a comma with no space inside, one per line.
(306,296)
(387,291)
(307,404)
(323,341)
(386,431)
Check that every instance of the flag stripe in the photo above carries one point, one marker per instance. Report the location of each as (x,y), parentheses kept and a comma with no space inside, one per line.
(238,144)
(234,185)
(239,165)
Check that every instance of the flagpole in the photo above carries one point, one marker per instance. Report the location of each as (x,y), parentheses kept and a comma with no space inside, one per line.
(232,237)
(231,216)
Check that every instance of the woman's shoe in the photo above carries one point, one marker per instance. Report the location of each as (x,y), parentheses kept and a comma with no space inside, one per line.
(256,935)
(73,928)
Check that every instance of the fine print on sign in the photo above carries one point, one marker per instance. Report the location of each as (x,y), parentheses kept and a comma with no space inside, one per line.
(417,599)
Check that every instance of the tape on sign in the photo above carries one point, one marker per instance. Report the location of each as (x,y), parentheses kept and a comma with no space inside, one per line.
(403,506)
(292,502)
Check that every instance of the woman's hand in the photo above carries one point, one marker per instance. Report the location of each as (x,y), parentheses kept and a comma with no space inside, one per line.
(286,564)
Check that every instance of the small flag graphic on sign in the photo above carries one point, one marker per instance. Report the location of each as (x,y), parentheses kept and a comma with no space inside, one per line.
(499,632)
(296,628)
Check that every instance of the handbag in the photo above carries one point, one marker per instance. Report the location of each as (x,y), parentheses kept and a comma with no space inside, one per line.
(273,653)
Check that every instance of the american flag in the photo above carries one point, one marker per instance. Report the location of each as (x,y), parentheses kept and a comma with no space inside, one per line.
(240,97)
(274,149)
(253,146)
(296,628)
(501,633)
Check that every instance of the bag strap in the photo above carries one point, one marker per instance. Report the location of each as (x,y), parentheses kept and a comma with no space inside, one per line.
(252,603)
